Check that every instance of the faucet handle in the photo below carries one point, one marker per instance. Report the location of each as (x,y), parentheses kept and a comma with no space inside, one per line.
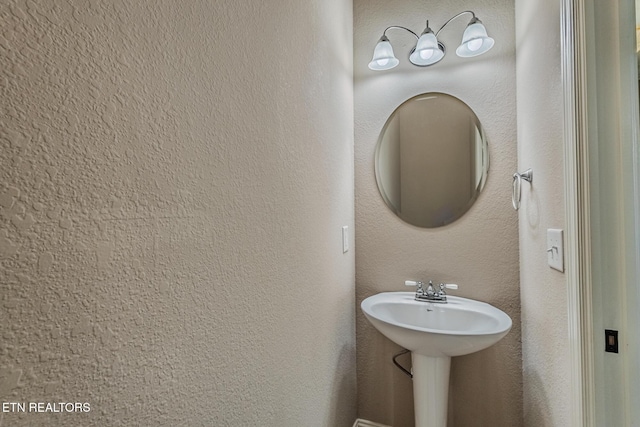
(442,293)
(419,290)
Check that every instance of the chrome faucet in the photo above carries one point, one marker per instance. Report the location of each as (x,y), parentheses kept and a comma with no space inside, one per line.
(430,294)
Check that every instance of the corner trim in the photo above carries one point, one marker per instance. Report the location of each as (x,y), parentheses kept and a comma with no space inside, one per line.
(577,203)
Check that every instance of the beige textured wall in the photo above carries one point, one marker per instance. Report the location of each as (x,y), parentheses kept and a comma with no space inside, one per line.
(174,176)
(479,251)
(545,348)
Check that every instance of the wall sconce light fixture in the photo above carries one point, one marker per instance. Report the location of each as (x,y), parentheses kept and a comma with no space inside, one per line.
(428,49)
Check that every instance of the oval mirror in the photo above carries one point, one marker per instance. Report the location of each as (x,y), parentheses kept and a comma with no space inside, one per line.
(432,160)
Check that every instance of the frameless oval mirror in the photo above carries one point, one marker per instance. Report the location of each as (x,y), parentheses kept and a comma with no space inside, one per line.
(432,160)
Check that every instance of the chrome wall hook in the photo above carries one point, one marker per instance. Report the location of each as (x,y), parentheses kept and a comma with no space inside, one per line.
(516,196)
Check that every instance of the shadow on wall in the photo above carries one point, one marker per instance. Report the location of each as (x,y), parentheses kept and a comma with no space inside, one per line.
(532,209)
(344,388)
(536,412)
(403,392)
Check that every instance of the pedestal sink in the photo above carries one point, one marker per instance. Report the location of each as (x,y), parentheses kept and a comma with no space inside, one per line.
(435,333)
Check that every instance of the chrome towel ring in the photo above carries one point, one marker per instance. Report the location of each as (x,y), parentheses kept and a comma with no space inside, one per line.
(516,196)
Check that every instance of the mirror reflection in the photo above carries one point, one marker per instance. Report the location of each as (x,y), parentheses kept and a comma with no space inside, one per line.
(432,160)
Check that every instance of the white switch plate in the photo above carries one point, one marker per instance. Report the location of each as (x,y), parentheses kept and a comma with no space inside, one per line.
(555,249)
(345,239)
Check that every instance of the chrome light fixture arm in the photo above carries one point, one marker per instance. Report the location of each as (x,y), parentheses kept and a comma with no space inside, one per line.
(398,27)
(454,17)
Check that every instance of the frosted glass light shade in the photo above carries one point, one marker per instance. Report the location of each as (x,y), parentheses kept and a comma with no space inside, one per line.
(427,51)
(383,57)
(475,40)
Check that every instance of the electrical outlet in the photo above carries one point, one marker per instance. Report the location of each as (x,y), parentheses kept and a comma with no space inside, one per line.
(611,341)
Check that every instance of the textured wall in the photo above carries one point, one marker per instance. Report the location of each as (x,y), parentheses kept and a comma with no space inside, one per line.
(174,176)
(479,251)
(540,147)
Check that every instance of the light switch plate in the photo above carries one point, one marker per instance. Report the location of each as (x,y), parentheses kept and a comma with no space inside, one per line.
(345,239)
(555,249)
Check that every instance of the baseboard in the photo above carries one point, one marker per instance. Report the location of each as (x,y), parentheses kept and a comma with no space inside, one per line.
(365,423)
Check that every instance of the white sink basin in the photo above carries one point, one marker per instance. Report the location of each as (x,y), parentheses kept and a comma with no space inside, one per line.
(461,326)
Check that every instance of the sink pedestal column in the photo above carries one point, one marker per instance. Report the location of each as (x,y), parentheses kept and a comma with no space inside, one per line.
(430,389)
